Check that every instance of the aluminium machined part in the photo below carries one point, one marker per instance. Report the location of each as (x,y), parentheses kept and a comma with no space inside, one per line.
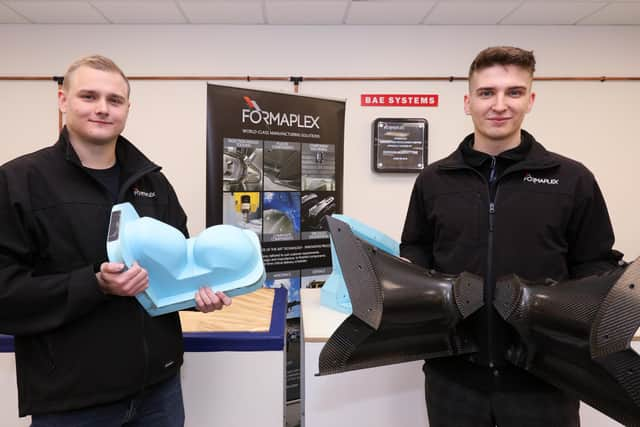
(401,312)
(314,208)
(576,335)
(307,199)
(240,169)
(322,207)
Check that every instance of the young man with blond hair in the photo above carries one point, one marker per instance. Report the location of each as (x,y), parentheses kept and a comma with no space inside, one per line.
(87,354)
(500,204)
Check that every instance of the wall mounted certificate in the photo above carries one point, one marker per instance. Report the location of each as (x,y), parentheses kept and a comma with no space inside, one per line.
(399,145)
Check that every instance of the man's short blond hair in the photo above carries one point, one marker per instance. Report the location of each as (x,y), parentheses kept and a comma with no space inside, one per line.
(97,62)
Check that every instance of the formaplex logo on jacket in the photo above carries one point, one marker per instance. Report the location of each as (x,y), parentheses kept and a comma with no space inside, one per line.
(139,193)
(532,179)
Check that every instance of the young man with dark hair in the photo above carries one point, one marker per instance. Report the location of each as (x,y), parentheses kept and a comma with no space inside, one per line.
(87,354)
(500,204)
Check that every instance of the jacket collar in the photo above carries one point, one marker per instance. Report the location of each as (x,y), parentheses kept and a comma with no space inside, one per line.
(476,158)
(131,159)
(537,156)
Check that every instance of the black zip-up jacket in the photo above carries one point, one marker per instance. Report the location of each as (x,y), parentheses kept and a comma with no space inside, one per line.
(548,219)
(76,347)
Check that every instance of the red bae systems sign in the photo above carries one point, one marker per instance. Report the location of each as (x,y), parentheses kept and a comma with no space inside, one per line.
(399,100)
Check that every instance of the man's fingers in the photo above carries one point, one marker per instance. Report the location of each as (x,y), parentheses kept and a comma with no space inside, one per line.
(199,302)
(136,284)
(111,267)
(118,281)
(224,298)
(211,298)
(207,300)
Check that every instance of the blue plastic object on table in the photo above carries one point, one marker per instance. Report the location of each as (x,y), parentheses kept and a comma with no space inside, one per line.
(223,257)
(334,293)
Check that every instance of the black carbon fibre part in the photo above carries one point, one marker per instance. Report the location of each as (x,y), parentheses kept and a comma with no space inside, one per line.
(618,318)
(624,366)
(468,293)
(507,296)
(419,309)
(363,285)
(556,323)
(344,342)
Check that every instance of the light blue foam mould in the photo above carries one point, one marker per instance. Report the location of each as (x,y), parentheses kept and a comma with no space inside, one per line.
(334,293)
(223,257)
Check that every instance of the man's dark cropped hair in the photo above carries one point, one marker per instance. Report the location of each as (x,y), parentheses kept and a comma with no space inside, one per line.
(503,55)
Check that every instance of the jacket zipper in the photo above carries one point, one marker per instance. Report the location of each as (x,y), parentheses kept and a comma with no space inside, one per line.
(490,288)
(489,281)
(145,347)
(489,285)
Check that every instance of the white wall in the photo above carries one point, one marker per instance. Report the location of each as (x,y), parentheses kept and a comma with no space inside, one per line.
(593,122)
